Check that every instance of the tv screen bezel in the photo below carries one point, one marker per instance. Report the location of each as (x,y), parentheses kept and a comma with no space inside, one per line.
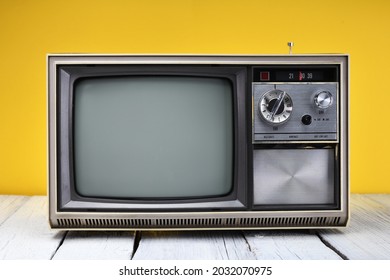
(67,197)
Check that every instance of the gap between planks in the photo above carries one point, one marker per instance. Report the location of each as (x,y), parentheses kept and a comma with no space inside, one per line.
(367,236)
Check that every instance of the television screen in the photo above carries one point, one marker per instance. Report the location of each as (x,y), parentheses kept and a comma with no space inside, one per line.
(153,137)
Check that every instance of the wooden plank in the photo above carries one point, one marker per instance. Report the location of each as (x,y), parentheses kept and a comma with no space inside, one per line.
(26,234)
(193,245)
(368,233)
(9,204)
(383,199)
(96,246)
(288,245)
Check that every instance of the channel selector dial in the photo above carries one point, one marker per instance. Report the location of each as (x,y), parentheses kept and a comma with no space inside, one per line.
(323,99)
(275,107)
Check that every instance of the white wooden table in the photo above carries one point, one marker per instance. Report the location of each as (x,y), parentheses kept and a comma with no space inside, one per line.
(25,234)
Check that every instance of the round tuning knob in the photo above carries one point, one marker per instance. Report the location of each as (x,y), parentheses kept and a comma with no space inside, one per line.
(275,107)
(323,99)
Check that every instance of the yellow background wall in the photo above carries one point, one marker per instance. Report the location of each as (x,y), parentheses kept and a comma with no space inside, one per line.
(29,29)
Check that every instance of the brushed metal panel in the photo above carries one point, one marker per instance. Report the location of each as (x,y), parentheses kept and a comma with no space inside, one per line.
(303,176)
(324,125)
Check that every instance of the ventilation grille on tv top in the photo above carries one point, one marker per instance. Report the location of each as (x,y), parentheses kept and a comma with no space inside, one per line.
(200,223)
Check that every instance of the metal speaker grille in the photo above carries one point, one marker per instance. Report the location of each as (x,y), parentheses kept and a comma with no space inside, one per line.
(199,223)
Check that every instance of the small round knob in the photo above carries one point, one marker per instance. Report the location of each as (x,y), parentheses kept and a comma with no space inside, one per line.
(323,99)
(306,119)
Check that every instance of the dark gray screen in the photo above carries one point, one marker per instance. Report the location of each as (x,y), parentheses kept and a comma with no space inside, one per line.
(153,137)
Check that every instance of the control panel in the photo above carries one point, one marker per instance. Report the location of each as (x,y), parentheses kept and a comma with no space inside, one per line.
(295,104)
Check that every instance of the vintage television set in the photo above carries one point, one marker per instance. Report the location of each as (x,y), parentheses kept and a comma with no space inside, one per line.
(198,142)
